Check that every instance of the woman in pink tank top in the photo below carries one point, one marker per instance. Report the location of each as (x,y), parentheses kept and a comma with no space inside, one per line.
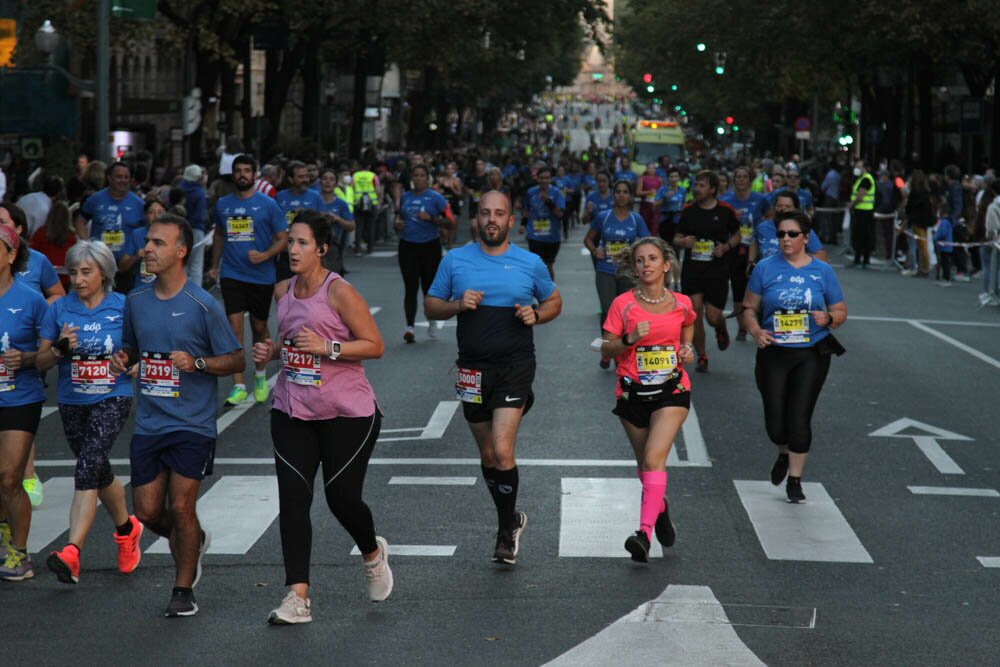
(324,411)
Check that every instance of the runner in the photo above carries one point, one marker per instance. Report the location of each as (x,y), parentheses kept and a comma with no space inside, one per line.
(131,261)
(340,212)
(491,286)
(543,209)
(420,216)
(609,235)
(80,333)
(177,334)
(649,185)
(792,303)
(765,236)
(648,331)
(21,398)
(250,231)
(708,230)
(671,198)
(324,412)
(600,200)
(298,197)
(750,207)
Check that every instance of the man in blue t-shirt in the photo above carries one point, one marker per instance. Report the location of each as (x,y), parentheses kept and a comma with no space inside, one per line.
(177,334)
(112,213)
(543,209)
(297,198)
(491,287)
(625,173)
(250,231)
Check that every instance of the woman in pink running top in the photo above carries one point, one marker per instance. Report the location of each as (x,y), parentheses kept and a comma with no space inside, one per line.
(648,331)
(324,411)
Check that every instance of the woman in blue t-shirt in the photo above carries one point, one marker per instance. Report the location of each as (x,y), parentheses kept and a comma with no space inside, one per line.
(21,398)
(790,306)
(80,333)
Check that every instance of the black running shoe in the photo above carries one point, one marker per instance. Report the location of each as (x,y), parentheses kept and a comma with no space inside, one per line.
(666,534)
(779,470)
(638,546)
(182,603)
(509,541)
(794,491)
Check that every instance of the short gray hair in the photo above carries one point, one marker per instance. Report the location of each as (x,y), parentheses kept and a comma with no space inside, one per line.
(100,253)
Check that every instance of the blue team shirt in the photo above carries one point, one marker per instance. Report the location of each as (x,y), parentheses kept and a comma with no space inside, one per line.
(601,204)
(749,211)
(766,236)
(112,219)
(491,335)
(786,289)
(99,337)
(626,175)
(616,235)
(340,208)
(193,322)
(21,312)
(411,203)
(290,203)
(589,182)
(39,275)
(134,245)
(248,224)
(542,224)
(671,204)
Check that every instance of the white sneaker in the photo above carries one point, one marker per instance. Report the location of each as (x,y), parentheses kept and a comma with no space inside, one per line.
(292,609)
(433,326)
(944,283)
(378,575)
(907,273)
(962,278)
(984,298)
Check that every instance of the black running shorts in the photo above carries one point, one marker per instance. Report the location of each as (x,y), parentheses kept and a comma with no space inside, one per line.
(502,387)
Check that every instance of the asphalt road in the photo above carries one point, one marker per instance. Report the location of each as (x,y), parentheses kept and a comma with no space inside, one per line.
(786,585)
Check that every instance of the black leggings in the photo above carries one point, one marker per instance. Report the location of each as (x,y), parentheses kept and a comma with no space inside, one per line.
(343,445)
(789,380)
(419,264)
(738,273)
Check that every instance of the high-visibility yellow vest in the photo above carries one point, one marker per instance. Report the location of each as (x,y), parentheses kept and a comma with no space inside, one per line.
(364,184)
(759,183)
(868,202)
(347,194)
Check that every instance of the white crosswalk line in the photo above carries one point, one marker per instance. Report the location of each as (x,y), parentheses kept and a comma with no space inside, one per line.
(433,481)
(989,561)
(237,509)
(813,531)
(694,444)
(596,516)
(52,519)
(232,414)
(953,491)
(415,550)
(48,410)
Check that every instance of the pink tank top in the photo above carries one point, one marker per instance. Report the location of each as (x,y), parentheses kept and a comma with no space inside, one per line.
(313,387)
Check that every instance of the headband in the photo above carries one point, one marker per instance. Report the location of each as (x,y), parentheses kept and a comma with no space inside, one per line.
(9,236)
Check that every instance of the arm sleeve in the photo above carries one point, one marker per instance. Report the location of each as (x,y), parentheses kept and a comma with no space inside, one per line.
(441,288)
(340,208)
(128,335)
(682,223)
(690,316)
(559,199)
(278,222)
(47,273)
(756,284)
(50,328)
(220,334)
(641,226)
(733,223)
(614,323)
(544,287)
(87,210)
(831,292)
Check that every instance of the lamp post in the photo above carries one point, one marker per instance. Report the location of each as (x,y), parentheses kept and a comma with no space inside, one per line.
(47,40)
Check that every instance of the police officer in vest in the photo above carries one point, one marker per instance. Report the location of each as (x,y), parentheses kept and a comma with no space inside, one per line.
(862,215)
(366,198)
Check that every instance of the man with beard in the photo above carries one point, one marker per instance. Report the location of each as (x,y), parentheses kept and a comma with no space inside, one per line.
(250,231)
(492,286)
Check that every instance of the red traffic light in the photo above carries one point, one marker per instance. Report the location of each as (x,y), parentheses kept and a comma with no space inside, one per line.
(647,78)
(730,120)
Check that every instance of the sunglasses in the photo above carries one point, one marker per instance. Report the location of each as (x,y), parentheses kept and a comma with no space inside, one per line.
(792,234)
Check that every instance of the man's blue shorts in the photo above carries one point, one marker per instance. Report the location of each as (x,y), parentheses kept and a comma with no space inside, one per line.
(186,453)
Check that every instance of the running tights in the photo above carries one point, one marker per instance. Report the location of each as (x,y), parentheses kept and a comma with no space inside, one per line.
(343,445)
(789,380)
(418,263)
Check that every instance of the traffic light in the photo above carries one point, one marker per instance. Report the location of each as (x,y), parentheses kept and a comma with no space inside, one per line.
(677,107)
(845,139)
(720,130)
(674,87)
(736,128)
(650,88)
(730,120)
(700,46)
(720,63)
(647,78)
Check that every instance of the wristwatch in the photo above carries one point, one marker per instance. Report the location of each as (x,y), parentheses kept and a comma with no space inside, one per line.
(334,350)
(200,364)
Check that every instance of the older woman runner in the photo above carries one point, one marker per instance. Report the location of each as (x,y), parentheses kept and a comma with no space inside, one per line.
(649,332)
(80,332)
(324,412)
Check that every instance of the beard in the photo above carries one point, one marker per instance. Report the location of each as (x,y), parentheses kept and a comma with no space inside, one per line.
(243,185)
(498,240)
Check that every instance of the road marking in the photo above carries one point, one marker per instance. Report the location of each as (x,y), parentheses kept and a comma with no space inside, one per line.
(374,309)
(415,550)
(436,425)
(52,519)
(596,516)
(953,491)
(434,481)
(48,410)
(441,323)
(989,561)
(584,463)
(907,320)
(685,625)
(814,531)
(926,442)
(234,413)
(382,254)
(959,344)
(694,443)
(238,510)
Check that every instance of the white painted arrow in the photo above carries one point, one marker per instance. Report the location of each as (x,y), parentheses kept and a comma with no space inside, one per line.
(926,441)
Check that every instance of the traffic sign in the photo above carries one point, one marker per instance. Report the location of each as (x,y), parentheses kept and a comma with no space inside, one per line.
(803,135)
(802,124)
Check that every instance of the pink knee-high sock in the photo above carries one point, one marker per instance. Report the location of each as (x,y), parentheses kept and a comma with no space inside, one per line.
(654,485)
(663,505)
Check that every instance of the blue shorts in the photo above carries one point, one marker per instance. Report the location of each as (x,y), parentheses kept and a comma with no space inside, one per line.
(186,453)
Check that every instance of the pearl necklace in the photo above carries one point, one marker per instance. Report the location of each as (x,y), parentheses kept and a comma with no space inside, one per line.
(645,298)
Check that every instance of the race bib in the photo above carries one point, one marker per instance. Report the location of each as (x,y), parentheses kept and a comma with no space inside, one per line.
(144,275)
(300,367)
(289,217)
(655,363)
(239,229)
(791,326)
(746,234)
(702,250)
(614,247)
(650,198)
(91,374)
(6,378)
(114,239)
(542,226)
(469,387)
(158,376)
(476,196)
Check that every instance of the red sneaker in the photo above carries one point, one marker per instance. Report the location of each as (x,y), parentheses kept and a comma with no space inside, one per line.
(722,338)
(66,564)
(129,553)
